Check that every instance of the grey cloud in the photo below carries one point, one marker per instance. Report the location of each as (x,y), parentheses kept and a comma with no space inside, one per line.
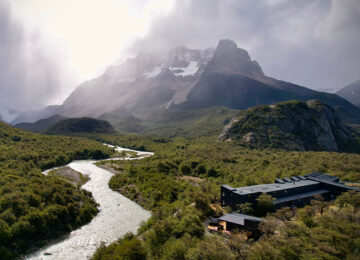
(30,73)
(312,43)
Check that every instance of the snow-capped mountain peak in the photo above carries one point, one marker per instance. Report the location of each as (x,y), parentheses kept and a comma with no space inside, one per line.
(181,61)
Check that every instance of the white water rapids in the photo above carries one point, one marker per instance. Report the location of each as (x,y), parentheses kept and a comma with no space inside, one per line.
(118,215)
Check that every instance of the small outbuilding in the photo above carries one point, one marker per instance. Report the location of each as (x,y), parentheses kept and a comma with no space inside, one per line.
(239,221)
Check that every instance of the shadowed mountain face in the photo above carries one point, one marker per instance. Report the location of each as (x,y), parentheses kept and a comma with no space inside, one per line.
(291,125)
(153,84)
(351,93)
(233,80)
(229,59)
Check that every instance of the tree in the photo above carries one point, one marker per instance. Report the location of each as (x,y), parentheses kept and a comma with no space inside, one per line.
(200,169)
(269,226)
(212,172)
(319,203)
(245,208)
(162,168)
(264,204)
(202,203)
(185,169)
(129,248)
(284,214)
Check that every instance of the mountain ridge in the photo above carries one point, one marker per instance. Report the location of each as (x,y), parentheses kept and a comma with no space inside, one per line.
(41,125)
(189,79)
(351,93)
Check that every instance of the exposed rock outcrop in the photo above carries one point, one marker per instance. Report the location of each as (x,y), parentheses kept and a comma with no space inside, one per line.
(292,125)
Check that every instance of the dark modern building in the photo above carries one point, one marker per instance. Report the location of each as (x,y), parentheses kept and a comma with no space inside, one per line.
(289,191)
(239,221)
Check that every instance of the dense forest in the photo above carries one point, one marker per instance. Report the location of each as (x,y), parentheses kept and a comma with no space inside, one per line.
(35,208)
(181,185)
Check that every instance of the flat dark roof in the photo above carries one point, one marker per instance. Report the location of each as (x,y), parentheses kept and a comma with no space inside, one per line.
(228,187)
(300,196)
(321,176)
(238,218)
(286,183)
(335,184)
(265,188)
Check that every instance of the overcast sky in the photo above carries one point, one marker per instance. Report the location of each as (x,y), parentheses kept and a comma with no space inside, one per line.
(47,47)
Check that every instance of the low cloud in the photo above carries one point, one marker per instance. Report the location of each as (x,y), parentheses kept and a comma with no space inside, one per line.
(312,43)
(31,74)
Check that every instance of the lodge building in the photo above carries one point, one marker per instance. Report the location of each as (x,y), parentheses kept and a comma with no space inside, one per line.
(288,192)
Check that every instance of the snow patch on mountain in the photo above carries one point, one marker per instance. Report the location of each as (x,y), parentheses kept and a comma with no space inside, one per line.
(190,70)
(154,73)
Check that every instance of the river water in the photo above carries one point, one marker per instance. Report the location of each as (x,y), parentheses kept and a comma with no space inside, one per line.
(118,215)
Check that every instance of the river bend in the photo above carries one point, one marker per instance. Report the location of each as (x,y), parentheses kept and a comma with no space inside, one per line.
(117,216)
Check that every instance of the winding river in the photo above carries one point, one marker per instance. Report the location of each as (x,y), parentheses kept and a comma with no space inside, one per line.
(118,215)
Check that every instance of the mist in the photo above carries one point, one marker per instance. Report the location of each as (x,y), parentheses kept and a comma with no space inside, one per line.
(32,72)
(312,43)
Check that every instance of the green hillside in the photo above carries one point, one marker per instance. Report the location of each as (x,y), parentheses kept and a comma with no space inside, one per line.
(180,184)
(34,207)
(291,125)
(80,125)
(173,122)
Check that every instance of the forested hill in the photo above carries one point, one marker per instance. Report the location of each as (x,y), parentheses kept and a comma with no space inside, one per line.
(81,125)
(41,125)
(34,207)
(291,125)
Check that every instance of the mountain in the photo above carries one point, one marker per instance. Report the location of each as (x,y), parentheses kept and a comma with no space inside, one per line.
(41,125)
(33,116)
(80,125)
(233,80)
(153,85)
(351,92)
(148,80)
(291,125)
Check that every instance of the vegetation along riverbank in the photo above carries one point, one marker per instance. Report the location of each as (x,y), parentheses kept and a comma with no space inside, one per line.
(35,208)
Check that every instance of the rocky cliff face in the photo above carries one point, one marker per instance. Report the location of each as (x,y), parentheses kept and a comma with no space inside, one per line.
(229,59)
(291,125)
